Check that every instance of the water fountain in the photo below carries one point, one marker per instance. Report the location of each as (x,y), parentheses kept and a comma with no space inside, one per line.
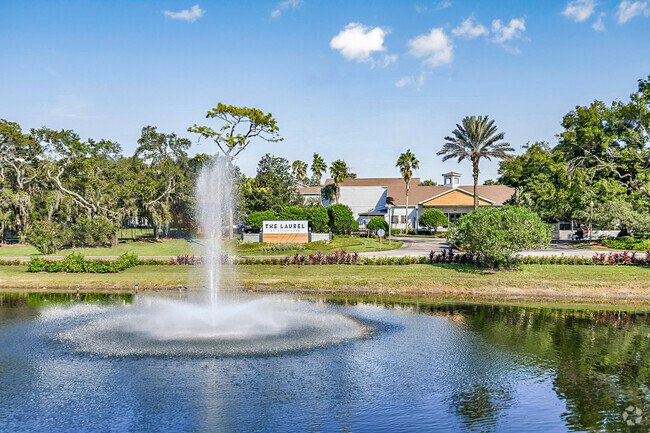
(216,326)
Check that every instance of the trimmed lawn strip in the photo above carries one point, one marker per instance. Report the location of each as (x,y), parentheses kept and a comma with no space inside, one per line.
(172,247)
(176,247)
(597,282)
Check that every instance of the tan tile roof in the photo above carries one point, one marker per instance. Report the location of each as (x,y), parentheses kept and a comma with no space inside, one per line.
(397,193)
(375,181)
(309,190)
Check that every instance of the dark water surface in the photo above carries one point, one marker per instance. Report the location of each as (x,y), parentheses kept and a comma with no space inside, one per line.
(424,367)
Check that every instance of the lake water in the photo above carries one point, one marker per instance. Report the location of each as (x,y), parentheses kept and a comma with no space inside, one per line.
(419,366)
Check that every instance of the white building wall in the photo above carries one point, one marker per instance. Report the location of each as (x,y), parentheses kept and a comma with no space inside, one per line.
(400,213)
(363,198)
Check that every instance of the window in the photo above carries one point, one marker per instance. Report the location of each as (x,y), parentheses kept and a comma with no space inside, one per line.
(402,219)
(456,180)
(394,219)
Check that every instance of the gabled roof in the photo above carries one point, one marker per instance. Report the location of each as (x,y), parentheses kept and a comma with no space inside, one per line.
(451,173)
(309,190)
(495,194)
(375,181)
(455,189)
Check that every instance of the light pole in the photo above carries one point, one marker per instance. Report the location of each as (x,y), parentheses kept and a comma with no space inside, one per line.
(390,223)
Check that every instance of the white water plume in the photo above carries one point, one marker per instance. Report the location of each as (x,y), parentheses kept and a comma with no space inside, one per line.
(214,200)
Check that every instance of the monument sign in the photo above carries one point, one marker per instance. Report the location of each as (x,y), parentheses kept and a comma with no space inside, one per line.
(285,231)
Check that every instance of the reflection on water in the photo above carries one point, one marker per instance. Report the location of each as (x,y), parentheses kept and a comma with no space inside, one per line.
(430,365)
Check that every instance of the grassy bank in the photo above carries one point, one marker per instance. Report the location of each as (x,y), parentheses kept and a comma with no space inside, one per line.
(606,282)
(176,247)
(171,247)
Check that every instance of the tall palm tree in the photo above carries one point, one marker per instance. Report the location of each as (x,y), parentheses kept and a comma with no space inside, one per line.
(318,167)
(406,163)
(339,171)
(476,138)
(299,170)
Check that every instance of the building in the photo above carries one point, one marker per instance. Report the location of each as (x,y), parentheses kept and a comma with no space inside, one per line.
(368,197)
(311,194)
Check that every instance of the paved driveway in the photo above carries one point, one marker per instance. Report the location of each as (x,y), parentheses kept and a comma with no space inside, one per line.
(422,247)
(412,247)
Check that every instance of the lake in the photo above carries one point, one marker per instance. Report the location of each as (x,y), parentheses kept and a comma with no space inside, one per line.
(419,365)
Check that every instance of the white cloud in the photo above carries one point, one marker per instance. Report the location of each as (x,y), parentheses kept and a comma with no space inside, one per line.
(467,29)
(435,46)
(598,25)
(513,30)
(283,6)
(420,9)
(418,81)
(444,4)
(359,42)
(387,60)
(628,10)
(189,15)
(579,10)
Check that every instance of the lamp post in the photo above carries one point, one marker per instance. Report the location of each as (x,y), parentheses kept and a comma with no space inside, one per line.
(390,223)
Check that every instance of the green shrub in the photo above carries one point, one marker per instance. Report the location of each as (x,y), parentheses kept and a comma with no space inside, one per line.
(47,237)
(256,219)
(377,223)
(77,263)
(395,232)
(318,219)
(636,243)
(432,219)
(498,234)
(410,231)
(98,231)
(283,247)
(341,219)
(293,213)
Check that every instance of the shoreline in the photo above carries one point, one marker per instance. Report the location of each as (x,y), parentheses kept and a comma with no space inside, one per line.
(545,283)
(576,301)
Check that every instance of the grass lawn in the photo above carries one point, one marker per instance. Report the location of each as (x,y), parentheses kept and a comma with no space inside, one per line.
(175,247)
(598,282)
(338,243)
(172,247)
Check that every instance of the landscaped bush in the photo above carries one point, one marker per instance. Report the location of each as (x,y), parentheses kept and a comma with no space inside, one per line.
(47,237)
(283,247)
(293,213)
(318,219)
(628,243)
(432,219)
(377,223)
(77,263)
(98,231)
(498,234)
(257,218)
(395,232)
(341,219)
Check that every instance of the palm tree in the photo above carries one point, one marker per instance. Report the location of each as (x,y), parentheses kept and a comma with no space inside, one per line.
(318,167)
(339,171)
(299,170)
(476,138)
(406,163)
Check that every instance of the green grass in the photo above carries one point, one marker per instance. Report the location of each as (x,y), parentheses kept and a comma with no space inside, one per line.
(541,281)
(350,244)
(171,247)
(175,247)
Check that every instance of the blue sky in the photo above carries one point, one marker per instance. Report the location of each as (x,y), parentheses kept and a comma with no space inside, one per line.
(357,80)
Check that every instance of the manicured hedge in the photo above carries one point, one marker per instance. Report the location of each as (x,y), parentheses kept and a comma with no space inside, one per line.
(77,263)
